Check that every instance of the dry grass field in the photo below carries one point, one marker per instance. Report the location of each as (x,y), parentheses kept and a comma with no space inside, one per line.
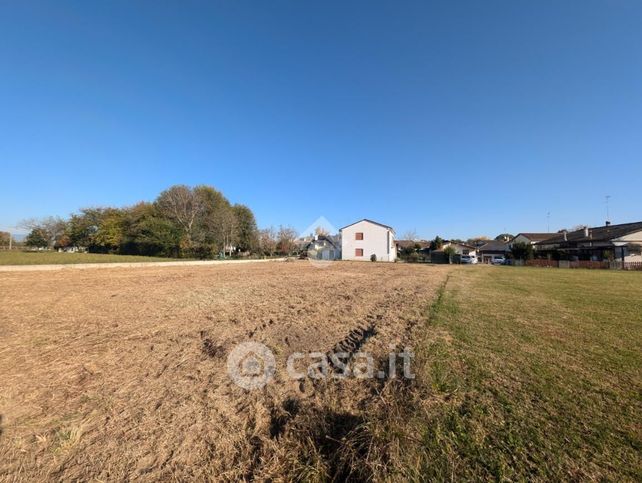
(119,373)
(522,374)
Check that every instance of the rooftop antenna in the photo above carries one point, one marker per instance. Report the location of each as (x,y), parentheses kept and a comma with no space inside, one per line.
(548,222)
(608,218)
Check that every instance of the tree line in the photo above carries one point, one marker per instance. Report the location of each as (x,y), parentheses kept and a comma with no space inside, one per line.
(183,221)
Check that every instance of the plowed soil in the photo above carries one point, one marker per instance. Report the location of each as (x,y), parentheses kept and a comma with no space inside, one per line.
(121,373)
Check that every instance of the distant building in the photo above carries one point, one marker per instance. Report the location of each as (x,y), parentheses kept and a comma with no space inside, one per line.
(323,247)
(531,238)
(609,242)
(412,245)
(362,239)
(439,256)
(492,250)
(460,248)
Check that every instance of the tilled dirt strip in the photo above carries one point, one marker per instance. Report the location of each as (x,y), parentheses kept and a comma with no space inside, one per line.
(111,265)
(116,374)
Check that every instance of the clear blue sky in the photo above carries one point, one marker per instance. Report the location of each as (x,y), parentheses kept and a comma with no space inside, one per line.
(453,118)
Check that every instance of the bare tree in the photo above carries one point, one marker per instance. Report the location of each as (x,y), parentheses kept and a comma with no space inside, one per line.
(229,230)
(410,235)
(52,228)
(267,241)
(321,231)
(182,206)
(286,240)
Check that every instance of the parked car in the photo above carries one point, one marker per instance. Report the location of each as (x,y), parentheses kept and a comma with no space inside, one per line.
(469,259)
(498,261)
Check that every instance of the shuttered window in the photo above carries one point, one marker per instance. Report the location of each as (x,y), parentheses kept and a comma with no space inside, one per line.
(358,252)
(358,236)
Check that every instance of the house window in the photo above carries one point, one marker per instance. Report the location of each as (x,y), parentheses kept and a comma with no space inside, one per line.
(358,252)
(358,236)
(465,252)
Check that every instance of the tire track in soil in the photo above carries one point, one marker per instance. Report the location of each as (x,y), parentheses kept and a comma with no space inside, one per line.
(332,428)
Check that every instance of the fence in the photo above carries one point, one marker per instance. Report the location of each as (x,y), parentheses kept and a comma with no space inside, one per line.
(542,263)
(604,265)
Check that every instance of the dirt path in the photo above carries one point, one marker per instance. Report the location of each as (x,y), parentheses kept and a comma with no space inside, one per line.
(120,374)
(87,266)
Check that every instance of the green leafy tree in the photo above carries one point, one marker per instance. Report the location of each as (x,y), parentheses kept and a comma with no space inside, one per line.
(83,226)
(437,243)
(37,238)
(522,251)
(147,233)
(110,233)
(183,221)
(450,252)
(212,232)
(248,240)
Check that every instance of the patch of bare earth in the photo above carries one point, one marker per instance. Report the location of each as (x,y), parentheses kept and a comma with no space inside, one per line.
(119,373)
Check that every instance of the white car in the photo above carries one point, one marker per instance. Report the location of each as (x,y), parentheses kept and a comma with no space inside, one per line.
(498,261)
(469,259)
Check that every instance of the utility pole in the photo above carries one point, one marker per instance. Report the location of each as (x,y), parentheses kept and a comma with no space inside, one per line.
(10,240)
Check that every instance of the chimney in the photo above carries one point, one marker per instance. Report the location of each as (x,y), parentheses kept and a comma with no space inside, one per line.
(586,231)
(608,223)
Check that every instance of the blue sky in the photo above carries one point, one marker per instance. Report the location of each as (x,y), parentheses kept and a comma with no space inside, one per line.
(452,118)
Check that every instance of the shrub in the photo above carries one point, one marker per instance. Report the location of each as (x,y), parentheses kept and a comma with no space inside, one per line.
(373,258)
(522,251)
(450,252)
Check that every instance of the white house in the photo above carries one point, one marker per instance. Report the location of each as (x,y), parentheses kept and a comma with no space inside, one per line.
(460,248)
(362,239)
(324,247)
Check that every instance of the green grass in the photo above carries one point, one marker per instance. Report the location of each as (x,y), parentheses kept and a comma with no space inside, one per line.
(527,374)
(16,257)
